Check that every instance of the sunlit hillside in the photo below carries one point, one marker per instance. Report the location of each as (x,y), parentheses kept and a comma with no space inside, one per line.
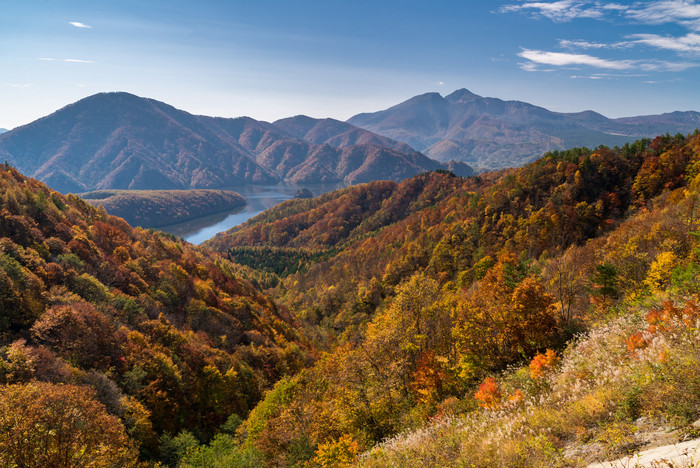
(417,308)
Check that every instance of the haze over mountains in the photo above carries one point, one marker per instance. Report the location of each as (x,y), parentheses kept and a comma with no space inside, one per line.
(489,133)
(121,141)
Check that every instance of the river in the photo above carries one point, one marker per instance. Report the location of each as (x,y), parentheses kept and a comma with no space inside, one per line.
(258,199)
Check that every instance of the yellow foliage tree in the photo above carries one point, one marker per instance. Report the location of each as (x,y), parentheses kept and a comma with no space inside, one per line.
(337,453)
(660,271)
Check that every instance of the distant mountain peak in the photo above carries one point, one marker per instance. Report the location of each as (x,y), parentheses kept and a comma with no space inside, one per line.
(111,97)
(589,114)
(491,133)
(301,118)
(426,97)
(461,96)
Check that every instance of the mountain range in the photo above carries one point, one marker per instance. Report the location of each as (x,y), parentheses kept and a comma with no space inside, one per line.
(121,141)
(490,133)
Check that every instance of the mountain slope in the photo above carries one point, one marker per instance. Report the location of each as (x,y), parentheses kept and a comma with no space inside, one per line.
(335,133)
(169,336)
(420,290)
(492,133)
(306,150)
(121,141)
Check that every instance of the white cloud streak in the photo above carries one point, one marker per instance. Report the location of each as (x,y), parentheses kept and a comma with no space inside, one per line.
(684,12)
(77,61)
(78,24)
(528,66)
(667,66)
(564,10)
(667,11)
(688,43)
(581,44)
(561,59)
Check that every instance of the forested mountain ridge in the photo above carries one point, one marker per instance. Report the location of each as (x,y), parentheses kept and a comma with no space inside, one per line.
(563,198)
(490,133)
(155,208)
(161,335)
(338,217)
(121,141)
(417,311)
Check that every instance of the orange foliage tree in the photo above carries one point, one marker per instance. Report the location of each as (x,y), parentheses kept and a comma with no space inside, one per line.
(59,426)
(489,394)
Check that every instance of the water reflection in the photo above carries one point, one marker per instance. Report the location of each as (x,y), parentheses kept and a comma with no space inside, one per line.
(258,199)
(186,228)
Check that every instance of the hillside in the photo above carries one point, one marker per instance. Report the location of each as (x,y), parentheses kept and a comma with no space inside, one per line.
(121,141)
(161,335)
(540,316)
(156,208)
(428,313)
(489,133)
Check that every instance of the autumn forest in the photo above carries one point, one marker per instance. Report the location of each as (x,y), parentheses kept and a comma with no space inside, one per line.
(546,315)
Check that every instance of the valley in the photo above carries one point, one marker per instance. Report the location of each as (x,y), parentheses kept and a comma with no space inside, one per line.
(259,198)
(531,316)
(327,234)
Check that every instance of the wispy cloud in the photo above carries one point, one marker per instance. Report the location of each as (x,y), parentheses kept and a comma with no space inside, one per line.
(684,12)
(667,11)
(50,59)
(615,7)
(581,44)
(561,59)
(78,24)
(529,66)
(666,66)
(586,77)
(18,85)
(564,10)
(688,43)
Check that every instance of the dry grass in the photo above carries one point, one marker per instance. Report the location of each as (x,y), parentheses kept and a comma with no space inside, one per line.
(589,409)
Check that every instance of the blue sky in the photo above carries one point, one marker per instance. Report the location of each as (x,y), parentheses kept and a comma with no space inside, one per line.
(275,58)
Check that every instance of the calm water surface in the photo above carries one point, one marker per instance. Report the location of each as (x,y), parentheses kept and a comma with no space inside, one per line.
(258,199)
